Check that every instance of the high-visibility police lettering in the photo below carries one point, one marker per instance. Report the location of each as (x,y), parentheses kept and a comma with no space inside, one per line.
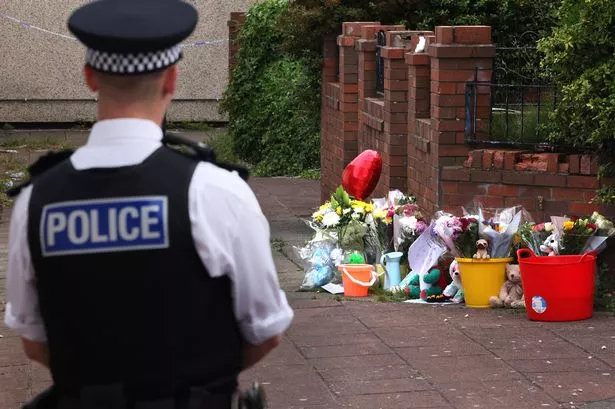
(105,225)
(129,224)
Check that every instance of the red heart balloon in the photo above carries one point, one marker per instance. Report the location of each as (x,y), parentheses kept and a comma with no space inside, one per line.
(362,174)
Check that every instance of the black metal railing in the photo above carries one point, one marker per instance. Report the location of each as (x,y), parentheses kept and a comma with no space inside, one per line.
(508,115)
(381,41)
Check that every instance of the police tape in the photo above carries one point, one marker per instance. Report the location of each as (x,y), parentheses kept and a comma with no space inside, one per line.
(26,25)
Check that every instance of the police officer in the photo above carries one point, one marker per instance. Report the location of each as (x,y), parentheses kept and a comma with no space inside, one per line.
(142,277)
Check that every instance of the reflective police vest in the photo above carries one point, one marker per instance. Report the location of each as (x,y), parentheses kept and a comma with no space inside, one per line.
(123,293)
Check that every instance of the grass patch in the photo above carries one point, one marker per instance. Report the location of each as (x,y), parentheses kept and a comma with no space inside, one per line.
(43,144)
(277,244)
(310,174)
(381,295)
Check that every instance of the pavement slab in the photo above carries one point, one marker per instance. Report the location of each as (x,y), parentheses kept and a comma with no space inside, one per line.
(368,355)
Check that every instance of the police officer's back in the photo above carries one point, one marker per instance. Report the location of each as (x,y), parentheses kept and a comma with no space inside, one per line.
(138,274)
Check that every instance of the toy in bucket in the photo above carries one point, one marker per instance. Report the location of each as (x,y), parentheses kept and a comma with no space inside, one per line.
(558,288)
(357,278)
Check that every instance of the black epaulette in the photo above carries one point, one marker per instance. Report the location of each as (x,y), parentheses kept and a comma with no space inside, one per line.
(43,164)
(203,153)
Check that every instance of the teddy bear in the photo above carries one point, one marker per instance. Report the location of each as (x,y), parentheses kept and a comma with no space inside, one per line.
(550,246)
(432,284)
(454,291)
(511,294)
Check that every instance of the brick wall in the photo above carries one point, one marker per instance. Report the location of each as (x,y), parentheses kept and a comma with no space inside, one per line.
(545,184)
(418,126)
(234,25)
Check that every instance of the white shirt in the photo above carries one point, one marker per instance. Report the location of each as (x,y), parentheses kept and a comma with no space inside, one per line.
(229,230)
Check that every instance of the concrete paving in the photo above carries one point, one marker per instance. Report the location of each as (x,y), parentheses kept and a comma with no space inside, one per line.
(348,354)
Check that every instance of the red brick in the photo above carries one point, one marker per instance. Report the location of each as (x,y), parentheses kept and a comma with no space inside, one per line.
(585,166)
(395,106)
(354,27)
(583,209)
(456,173)
(472,188)
(453,75)
(568,194)
(492,202)
(417,59)
(443,113)
(583,182)
(486,176)
(555,208)
(498,159)
(595,166)
(366,46)
(528,204)
(393,53)
(550,180)
(450,125)
(448,100)
(453,150)
(563,168)
(461,51)
(462,64)
(457,200)
(445,34)
(396,96)
(510,160)
(346,41)
(445,138)
(444,88)
(473,35)
(575,164)
(449,187)
(517,178)
(503,190)
(487,159)
(395,128)
(396,85)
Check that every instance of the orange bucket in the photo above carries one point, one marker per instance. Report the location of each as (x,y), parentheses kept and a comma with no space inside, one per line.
(357,278)
(558,288)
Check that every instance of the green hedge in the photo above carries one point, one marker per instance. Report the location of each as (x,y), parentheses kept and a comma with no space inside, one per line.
(580,56)
(273,97)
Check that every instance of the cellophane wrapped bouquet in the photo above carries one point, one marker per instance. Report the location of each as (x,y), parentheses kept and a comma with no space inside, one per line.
(344,228)
(458,233)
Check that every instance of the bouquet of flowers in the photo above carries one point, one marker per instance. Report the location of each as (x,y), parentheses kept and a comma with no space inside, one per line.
(460,234)
(533,235)
(386,212)
(408,225)
(352,222)
(500,230)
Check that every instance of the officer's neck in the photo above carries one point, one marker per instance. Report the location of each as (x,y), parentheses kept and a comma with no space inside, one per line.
(152,112)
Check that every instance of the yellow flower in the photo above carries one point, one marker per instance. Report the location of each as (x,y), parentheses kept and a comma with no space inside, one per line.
(568,225)
(338,210)
(516,239)
(379,214)
(369,208)
(325,206)
(388,220)
(317,216)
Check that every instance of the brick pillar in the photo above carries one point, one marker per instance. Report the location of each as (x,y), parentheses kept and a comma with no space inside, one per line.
(367,70)
(395,123)
(459,55)
(234,25)
(349,86)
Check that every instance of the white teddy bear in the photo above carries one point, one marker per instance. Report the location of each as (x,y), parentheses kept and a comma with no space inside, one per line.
(550,246)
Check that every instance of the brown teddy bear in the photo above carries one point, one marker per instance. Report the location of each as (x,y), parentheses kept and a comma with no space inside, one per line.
(511,294)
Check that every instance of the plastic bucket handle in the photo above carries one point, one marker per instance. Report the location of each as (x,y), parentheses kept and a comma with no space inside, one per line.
(361,283)
(525,253)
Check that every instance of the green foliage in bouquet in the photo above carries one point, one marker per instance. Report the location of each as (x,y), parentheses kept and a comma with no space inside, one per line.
(466,241)
(576,234)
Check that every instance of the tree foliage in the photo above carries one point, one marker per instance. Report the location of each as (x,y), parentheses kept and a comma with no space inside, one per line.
(580,55)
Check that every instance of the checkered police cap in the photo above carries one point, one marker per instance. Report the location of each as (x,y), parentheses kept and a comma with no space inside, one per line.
(131,37)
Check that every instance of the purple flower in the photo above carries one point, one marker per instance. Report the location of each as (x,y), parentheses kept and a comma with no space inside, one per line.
(421,226)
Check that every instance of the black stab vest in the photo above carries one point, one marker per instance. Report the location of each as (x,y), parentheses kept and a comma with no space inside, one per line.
(150,318)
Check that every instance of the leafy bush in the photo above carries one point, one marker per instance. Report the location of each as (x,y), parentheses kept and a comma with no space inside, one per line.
(272,99)
(580,55)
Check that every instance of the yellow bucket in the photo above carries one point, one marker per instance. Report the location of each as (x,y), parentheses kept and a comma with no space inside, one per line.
(481,279)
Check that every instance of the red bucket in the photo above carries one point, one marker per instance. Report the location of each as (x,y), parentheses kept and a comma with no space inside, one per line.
(558,288)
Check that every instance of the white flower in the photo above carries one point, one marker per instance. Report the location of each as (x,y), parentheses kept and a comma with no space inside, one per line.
(358,209)
(408,222)
(356,216)
(548,226)
(330,219)
(347,210)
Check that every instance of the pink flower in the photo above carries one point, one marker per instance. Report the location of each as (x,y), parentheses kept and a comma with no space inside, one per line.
(410,209)
(421,226)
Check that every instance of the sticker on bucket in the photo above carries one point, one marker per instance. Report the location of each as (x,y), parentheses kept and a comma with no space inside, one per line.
(539,304)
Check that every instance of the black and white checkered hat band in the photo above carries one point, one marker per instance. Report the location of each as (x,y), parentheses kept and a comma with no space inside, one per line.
(138,63)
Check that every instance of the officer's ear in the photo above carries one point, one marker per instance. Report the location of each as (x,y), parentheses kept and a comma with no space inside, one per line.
(170,81)
(90,78)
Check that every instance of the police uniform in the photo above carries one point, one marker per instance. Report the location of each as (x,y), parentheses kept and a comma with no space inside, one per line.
(143,269)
